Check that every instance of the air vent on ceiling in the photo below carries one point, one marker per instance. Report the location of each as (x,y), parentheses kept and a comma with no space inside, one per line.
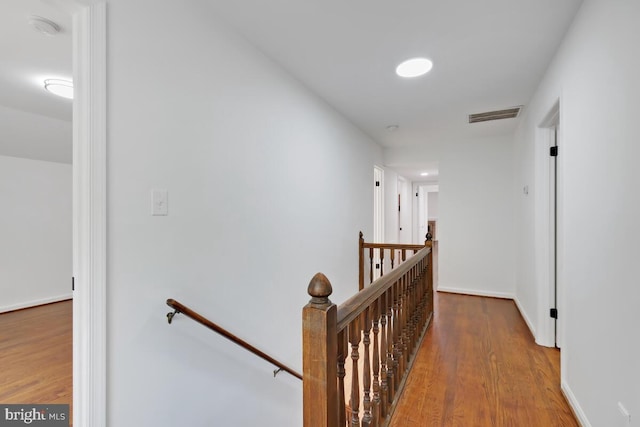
(508,113)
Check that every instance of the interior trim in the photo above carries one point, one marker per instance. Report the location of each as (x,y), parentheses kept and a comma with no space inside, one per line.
(89,215)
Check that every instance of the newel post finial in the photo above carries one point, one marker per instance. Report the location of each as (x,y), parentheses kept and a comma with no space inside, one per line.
(320,289)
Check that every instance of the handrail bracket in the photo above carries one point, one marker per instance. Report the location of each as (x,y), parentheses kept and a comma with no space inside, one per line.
(170,315)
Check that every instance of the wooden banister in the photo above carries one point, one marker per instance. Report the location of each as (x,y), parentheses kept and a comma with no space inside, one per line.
(351,308)
(376,255)
(379,329)
(181,308)
(398,246)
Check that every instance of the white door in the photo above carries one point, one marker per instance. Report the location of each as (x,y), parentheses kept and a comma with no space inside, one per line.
(423,208)
(404,212)
(378,215)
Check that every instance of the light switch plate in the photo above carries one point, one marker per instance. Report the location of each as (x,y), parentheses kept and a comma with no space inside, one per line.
(159,202)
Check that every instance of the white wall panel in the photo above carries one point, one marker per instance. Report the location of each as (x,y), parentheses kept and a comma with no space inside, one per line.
(267,185)
(35,232)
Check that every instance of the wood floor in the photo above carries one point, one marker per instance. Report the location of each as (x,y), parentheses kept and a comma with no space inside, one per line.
(479,366)
(36,355)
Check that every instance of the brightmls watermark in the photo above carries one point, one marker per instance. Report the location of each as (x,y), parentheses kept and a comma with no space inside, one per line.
(34,415)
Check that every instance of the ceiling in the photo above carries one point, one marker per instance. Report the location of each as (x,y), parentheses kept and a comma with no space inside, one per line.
(34,123)
(487,55)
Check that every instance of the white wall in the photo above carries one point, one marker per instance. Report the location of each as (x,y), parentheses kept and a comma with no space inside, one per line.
(433,205)
(267,186)
(595,76)
(35,230)
(34,136)
(476,225)
(476,215)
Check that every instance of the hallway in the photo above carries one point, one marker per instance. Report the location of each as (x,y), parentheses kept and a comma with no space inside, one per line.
(479,366)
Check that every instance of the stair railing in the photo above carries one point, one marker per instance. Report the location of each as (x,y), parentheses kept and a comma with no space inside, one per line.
(379,329)
(381,256)
(181,308)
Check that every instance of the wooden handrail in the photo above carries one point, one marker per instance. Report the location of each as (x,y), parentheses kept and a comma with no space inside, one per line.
(181,308)
(391,246)
(349,310)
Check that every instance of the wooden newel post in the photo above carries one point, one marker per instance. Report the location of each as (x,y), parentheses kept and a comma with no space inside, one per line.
(429,277)
(319,356)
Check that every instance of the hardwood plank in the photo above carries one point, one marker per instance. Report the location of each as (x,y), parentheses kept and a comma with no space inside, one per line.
(36,355)
(479,366)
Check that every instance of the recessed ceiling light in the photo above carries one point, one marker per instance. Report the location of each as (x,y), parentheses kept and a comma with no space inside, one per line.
(414,67)
(424,174)
(392,128)
(63,88)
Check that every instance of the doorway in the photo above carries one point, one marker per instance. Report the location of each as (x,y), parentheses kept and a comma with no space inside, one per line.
(36,192)
(425,209)
(553,229)
(404,211)
(378,216)
(549,222)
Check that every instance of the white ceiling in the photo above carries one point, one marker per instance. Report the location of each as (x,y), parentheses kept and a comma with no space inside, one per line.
(34,123)
(488,54)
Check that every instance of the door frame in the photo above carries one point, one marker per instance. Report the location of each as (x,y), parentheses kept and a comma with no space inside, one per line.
(89,213)
(378,215)
(378,205)
(420,209)
(549,277)
(404,211)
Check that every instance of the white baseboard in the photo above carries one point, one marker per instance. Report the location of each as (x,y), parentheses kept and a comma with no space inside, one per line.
(34,303)
(525,317)
(575,406)
(475,292)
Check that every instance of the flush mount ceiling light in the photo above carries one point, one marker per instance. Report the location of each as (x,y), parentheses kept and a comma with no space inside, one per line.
(414,67)
(424,174)
(44,26)
(392,128)
(63,88)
